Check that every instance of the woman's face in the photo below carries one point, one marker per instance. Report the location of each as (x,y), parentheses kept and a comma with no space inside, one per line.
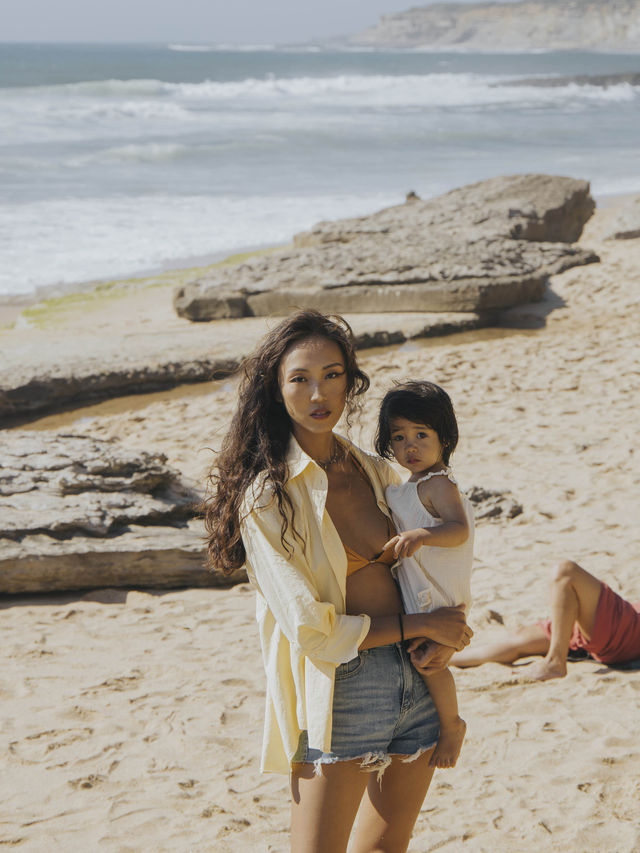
(313,384)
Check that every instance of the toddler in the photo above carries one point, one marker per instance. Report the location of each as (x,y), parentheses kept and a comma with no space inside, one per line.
(417,426)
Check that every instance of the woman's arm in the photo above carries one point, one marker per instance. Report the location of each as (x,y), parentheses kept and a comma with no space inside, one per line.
(314,626)
(286,582)
(446,626)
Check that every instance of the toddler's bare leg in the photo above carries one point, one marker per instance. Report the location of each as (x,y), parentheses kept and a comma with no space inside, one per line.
(452,727)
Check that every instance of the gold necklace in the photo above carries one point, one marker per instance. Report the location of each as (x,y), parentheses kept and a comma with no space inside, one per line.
(337,454)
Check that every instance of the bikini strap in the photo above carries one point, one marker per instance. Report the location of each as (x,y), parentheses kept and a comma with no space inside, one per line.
(447,472)
(391,530)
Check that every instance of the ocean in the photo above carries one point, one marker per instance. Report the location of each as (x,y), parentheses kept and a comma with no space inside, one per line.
(116,160)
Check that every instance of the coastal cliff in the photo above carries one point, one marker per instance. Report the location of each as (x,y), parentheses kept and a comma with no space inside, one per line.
(611,26)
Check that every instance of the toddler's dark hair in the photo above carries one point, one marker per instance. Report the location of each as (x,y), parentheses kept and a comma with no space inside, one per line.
(423,403)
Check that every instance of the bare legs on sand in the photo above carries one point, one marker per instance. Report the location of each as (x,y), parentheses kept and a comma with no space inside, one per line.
(574,598)
(323,808)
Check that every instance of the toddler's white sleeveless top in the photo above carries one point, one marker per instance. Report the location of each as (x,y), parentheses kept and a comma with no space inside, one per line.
(434,577)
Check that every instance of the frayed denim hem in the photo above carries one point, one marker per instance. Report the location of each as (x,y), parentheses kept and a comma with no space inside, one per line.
(371,762)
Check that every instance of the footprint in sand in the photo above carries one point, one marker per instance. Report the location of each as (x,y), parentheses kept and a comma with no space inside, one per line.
(87,781)
(118,683)
(34,748)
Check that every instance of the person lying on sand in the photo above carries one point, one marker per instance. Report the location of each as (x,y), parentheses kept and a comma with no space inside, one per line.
(585,614)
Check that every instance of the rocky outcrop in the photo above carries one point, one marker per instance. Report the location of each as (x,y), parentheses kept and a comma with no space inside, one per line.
(427,267)
(26,392)
(480,248)
(539,25)
(79,513)
(540,208)
(626,223)
(493,504)
(87,369)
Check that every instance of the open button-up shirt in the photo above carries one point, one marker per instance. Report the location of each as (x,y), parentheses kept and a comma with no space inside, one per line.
(300,602)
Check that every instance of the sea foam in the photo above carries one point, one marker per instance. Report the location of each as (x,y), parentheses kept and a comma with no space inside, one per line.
(95,238)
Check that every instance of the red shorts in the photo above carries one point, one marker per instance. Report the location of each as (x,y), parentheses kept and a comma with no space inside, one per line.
(616,630)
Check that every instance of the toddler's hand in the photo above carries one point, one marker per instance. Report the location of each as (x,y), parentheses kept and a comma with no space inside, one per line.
(430,657)
(406,544)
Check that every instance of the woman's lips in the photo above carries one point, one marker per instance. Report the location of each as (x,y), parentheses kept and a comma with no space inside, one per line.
(319,414)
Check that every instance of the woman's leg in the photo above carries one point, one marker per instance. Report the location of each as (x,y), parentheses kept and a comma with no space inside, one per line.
(323,807)
(390,808)
(574,598)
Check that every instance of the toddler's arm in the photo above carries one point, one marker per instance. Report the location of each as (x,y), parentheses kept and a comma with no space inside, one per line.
(441,498)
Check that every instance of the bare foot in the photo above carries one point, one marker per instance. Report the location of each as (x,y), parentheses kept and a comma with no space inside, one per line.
(547,669)
(449,744)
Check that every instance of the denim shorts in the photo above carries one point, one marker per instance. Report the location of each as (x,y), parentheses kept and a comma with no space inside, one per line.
(381,707)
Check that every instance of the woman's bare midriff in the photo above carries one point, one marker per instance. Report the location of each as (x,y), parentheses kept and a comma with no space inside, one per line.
(373,591)
(361,524)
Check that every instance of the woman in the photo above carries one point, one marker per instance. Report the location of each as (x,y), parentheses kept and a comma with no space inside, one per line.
(304,509)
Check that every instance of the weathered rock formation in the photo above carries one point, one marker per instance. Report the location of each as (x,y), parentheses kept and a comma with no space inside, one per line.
(79,513)
(626,223)
(479,248)
(531,25)
(32,390)
(476,246)
(491,503)
(87,369)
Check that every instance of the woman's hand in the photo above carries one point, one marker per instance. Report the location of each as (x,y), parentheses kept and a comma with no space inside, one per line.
(446,626)
(429,657)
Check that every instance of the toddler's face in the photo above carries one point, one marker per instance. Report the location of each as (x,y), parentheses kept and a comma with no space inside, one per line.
(416,446)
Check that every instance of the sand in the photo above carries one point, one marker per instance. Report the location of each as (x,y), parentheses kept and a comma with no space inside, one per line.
(131,721)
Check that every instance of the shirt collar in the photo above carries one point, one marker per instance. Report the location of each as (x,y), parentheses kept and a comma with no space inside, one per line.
(297,460)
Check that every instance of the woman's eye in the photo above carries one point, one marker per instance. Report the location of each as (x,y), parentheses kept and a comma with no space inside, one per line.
(333,374)
(298,379)
(396,438)
(422,435)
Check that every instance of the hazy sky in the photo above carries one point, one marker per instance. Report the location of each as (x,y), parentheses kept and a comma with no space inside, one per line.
(237,21)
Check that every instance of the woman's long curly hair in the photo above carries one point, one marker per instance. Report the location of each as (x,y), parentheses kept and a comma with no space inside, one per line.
(259,434)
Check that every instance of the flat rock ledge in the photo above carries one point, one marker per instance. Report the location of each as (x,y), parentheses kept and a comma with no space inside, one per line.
(483,247)
(101,370)
(82,513)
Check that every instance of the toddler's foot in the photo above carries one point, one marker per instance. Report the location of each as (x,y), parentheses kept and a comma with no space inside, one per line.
(449,744)
(546,669)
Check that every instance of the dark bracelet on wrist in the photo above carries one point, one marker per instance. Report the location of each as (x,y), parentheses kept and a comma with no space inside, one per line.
(401,627)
